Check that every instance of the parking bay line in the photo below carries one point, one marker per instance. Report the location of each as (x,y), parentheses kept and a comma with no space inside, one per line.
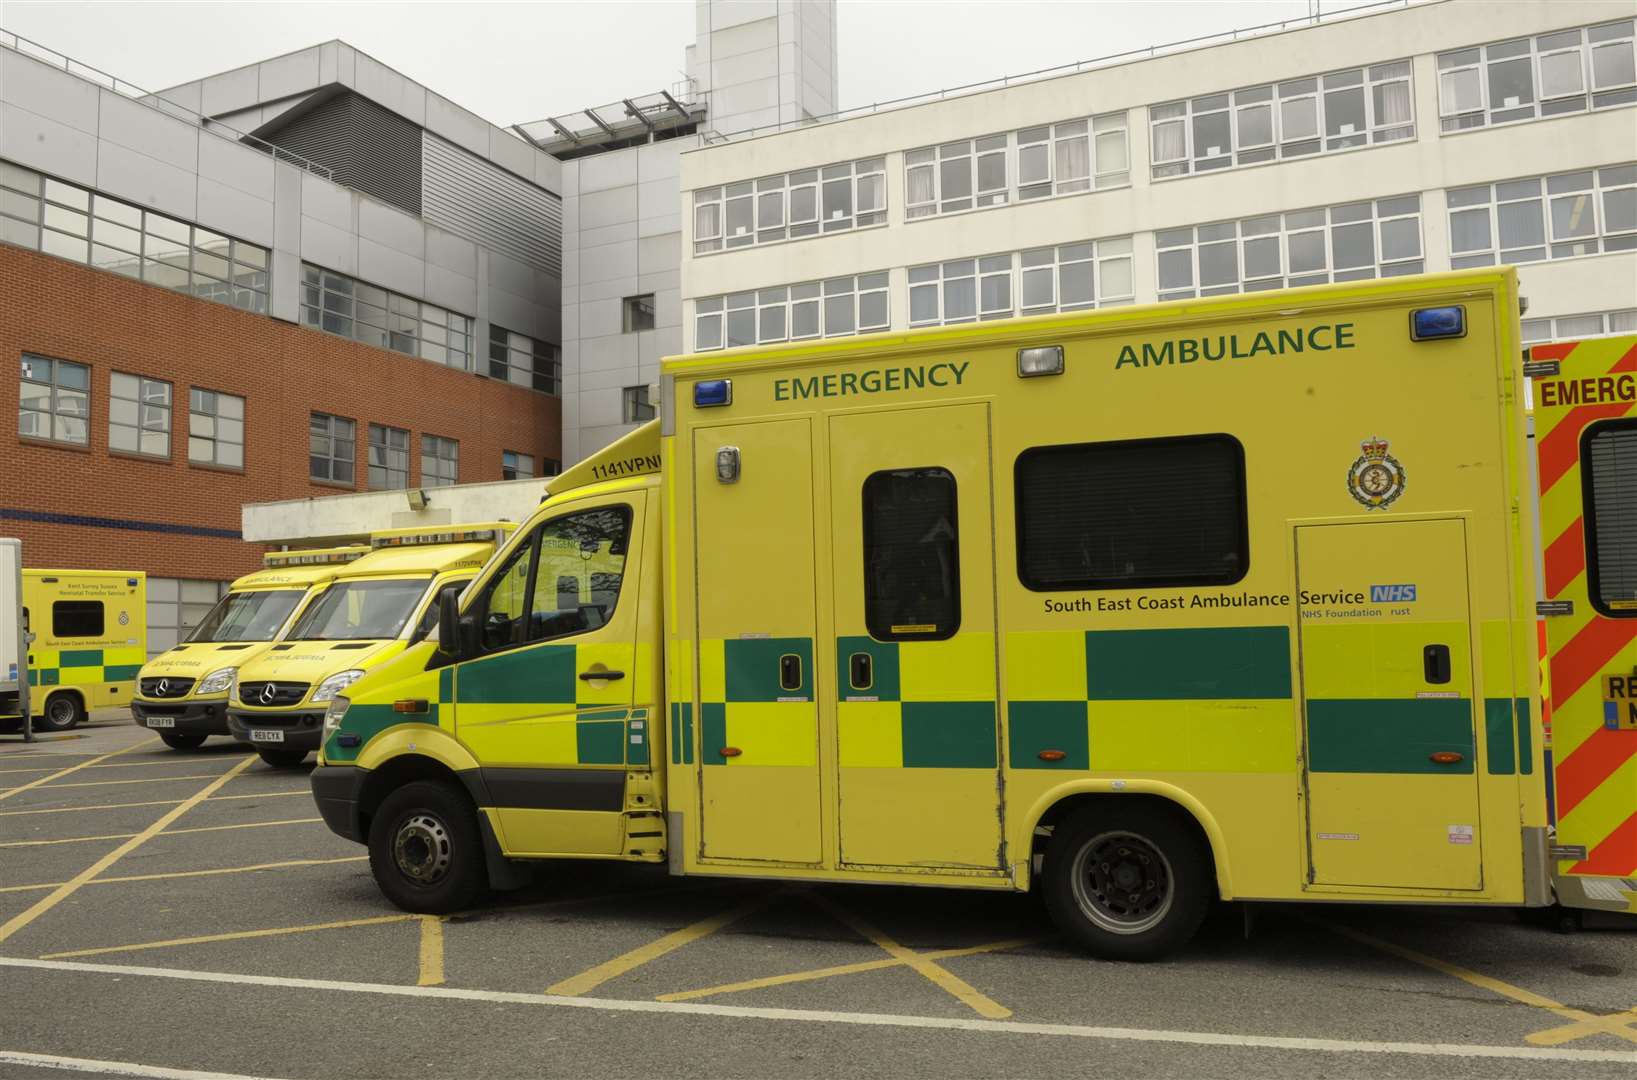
(9,792)
(143,780)
(167,832)
(154,802)
(857,1019)
(288,864)
(110,1068)
(235,935)
(431,954)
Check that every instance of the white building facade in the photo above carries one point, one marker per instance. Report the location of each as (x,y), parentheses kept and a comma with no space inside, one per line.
(1422,138)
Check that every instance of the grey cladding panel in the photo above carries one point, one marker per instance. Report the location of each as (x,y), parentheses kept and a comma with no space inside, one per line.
(367,147)
(471,197)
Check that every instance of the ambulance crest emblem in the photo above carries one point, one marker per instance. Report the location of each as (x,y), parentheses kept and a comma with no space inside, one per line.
(1376,479)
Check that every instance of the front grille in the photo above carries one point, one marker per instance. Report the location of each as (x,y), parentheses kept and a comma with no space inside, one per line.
(166,687)
(256,696)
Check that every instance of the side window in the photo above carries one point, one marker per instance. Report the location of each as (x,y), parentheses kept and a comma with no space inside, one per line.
(505,595)
(429,617)
(1608,464)
(912,574)
(581,567)
(76,619)
(1132,514)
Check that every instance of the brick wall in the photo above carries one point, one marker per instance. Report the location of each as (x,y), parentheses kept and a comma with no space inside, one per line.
(89,508)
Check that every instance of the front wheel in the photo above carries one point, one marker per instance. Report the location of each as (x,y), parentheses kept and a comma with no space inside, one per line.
(62,712)
(1129,882)
(283,759)
(179,741)
(425,849)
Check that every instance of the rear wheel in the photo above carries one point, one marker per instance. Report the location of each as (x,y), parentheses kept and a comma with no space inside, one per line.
(425,849)
(1129,882)
(62,712)
(178,741)
(283,759)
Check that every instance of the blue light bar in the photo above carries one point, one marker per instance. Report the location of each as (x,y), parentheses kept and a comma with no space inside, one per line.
(1429,324)
(712,392)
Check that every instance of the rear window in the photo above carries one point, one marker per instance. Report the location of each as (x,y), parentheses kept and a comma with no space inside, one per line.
(1608,466)
(1132,514)
(912,569)
(76,619)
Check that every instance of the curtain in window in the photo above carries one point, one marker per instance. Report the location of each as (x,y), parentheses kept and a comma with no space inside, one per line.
(1393,103)
(1073,159)
(1170,141)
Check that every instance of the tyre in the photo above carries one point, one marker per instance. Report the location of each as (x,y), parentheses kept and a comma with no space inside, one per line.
(178,741)
(62,712)
(1128,882)
(425,849)
(283,759)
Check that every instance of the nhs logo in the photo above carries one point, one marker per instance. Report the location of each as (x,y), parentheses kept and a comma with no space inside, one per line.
(1392,594)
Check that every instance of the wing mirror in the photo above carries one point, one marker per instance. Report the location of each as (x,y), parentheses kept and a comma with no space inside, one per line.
(457,636)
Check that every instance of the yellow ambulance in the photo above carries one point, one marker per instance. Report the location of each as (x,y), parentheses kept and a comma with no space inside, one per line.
(90,636)
(1148,606)
(182,693)
(369,612)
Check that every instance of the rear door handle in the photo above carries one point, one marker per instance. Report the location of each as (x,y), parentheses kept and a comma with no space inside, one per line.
(1435,664)
(592,676)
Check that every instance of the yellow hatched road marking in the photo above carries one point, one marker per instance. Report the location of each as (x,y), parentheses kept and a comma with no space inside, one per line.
(953,984)
(154,802)
(431,951)
(9,792)
(1587,1023)
(167,832)
(68,888)
(286,865)
(843,969)
(237,935)
(589,980)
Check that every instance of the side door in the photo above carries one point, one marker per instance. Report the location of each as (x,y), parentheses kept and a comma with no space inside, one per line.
(1387,689)
(916,713)
(545,701)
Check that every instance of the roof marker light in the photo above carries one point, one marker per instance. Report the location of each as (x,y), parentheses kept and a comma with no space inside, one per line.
(1430,324)
(1044,360)
(712,392)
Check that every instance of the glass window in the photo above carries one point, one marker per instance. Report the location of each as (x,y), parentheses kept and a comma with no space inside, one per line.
(639,407)
(639,312)
(912,573)
(330,448)
(388,458)
(440,461)
(523,361)
(1609,460)
(1582,213)
(54,401)
(566,577)
(349,308)
(836,307)
(516,466)
(247,616)
(1139,514)
(76,619)
(215,428)
(362,609)
(139,415)
(1535,78)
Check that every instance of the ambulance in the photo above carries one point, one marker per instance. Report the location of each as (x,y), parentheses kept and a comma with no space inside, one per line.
(1141,607)
(370,611)
(181,694)
(89,637)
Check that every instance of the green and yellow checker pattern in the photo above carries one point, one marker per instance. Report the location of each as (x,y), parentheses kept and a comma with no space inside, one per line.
(506,705)
(365,720)
(744,706)
(681,684)
(1209,699)
(927,705)
(85,667)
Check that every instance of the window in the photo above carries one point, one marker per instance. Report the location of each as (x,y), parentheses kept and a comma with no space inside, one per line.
(833,308)
(1557,217)
(245,616)
(76,619)
(139,415)
(912,570)
(638,408)
(54,401)
(72,222)
(1052,159)
(388,458)
(440,461)
(341,305)
(429,617)
(566,577)
(550,466)
(1608,453)
(639,313)
(177,607)
(1579,327)
(1069,277)
(215,428)
(363,609)
(331,448)
(1339,111)
(523,361)
(1146,513)
(515,466)
(1303,247)
(792,206)
(1562,72)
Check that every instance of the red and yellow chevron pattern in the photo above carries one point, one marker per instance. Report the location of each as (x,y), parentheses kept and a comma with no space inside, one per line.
(1596,765)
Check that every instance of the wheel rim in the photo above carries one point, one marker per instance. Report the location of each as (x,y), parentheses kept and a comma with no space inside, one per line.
(59,711)
(422,849)
(1123,883)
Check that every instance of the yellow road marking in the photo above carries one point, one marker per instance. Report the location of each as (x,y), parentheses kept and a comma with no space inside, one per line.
(285,865)
(68,888)
(1589,1022)
(109,765)
(237,935)
(1613,1024)
(953,984)
(431,951)
(154,802)
(589,980)
(167,832)
(9,792)
(109,783)
(842,969)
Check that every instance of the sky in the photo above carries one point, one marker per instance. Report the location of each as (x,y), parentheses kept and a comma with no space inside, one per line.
(514,62)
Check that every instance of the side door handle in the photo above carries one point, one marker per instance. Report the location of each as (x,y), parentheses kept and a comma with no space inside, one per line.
(597,676)
(1435,664)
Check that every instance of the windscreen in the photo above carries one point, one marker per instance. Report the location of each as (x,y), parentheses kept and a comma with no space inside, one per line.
(360,610)
(247,616)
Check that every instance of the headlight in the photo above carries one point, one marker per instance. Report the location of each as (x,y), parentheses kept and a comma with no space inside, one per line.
(217,681)
(335,713)
(335,684)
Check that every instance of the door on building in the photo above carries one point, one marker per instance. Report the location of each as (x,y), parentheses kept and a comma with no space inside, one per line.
(1387,688)
(758,714)
(917,744)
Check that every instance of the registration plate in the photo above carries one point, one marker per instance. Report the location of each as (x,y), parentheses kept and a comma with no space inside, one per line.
(260,735)
(161,721)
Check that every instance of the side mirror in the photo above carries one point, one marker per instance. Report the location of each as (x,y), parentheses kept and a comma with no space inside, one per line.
(449,643)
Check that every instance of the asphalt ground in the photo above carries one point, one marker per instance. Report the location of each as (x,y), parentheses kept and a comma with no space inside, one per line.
(187,914)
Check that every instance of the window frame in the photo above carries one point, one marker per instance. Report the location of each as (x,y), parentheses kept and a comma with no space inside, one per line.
(518,458)
(867,545)
(633,400)
(1590,97)
(216,440)
(784,304)
(55,389)
(140,428)
(59,610)
(387,432)
(1605,180)
(332,457)
(1594,591)
(344,306)
(436,444)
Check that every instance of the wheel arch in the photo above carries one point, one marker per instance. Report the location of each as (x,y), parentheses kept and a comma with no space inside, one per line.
(65,692)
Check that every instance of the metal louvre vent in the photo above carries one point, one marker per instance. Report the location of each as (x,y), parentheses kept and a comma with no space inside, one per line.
(368,148)
(484,203)
(1610,460)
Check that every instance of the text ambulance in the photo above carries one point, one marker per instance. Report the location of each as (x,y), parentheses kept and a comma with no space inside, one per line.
(1152,605)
